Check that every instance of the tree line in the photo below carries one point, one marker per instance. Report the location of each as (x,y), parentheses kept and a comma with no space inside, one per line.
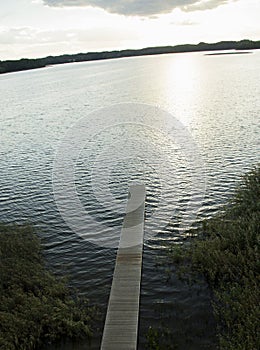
(25,63)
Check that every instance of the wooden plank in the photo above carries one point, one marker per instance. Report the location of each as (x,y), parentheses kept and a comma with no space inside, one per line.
(121,326)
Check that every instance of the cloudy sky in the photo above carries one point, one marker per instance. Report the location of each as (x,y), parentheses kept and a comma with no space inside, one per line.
(36,28)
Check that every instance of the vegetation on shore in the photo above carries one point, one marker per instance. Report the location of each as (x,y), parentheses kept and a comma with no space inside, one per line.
(36,308)
(25,64)
(226,251)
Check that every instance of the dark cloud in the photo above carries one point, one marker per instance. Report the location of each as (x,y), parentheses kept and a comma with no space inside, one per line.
(140,7)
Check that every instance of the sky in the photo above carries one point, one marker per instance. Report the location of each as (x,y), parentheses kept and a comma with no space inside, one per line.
(38,28)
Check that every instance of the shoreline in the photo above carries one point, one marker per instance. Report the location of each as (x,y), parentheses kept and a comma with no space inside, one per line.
(228,53)
(225,249)
(9,66)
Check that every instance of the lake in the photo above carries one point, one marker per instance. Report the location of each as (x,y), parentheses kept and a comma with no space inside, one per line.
(186,125)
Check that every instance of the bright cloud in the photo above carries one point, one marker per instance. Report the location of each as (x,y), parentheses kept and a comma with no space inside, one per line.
(38,28)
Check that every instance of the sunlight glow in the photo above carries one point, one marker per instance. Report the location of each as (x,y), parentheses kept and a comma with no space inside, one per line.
(57,30)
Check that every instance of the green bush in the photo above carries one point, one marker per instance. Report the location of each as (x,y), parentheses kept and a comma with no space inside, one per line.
(226,251)
(36,307)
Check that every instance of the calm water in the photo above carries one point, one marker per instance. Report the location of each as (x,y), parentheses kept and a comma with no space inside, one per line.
(216,98)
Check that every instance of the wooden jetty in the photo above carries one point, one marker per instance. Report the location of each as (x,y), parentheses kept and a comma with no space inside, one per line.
(121,326)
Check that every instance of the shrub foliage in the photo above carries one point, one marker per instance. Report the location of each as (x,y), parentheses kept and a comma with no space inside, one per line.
(35,306)
(226,251)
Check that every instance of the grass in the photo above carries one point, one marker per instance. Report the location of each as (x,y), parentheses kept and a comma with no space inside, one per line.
(36,308)
(226,252)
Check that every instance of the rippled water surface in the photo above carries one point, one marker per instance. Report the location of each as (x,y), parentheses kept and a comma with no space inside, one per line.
(215,100)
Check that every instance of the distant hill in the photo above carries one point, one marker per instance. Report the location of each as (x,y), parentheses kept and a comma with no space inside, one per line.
(25,63)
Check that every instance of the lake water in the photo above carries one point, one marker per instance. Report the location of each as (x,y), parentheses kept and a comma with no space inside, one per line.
(187,127)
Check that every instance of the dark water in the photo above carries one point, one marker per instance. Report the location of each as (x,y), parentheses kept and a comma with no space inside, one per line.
(215,98)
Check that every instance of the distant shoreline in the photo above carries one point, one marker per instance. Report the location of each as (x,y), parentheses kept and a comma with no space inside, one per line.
(27,64)
(227,53)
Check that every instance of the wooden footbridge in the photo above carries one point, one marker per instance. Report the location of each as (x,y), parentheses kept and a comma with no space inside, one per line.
(121,325)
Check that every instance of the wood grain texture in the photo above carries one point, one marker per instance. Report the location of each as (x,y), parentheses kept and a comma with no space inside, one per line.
(121,325)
